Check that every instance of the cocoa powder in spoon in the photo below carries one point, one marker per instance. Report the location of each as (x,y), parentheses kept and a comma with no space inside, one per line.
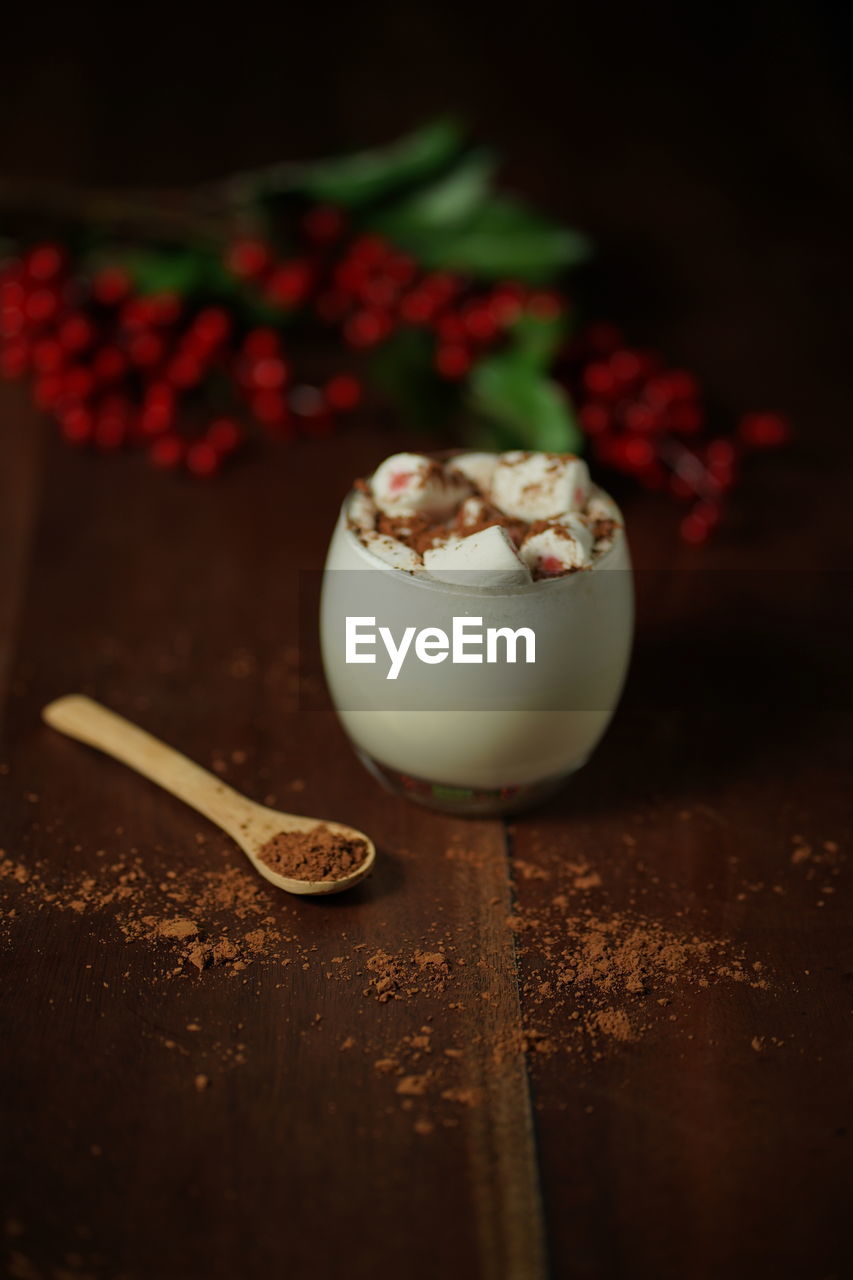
(319,854)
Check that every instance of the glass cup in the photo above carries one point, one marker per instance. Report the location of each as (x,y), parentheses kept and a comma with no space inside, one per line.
(469,736)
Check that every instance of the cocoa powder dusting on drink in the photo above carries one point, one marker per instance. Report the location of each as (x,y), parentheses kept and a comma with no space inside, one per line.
(319,854)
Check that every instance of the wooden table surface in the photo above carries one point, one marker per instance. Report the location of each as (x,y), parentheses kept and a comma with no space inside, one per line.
(524,1103)
(707,1135)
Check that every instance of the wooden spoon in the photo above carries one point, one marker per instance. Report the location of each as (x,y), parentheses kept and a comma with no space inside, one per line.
(250,824)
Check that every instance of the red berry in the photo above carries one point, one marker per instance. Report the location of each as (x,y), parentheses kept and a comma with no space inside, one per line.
(146,349)
(441,285)
(598,379)
(343,392)
(202,459)
(261,342)
(595,418)
(626,367)
(14,359)
(48,356)
(166,452)
(506,302)
(324,224)
(720,453)
(419,306)
(268,374)
(450,327)
(708,513)
(12,323)
(45,262)
(224,436)
(400,268)
(764,430)
(162,308)
(350,275)
(380,291)
(248,259)
(156,416)
(152,310)
(78,382)
(721,479)
(636,453)
(12,293)
(47,390)
(290,283)
(41,305)
(160,393)
(211,326)
(367,328)
(369,250)
(109,365)
(453,361)
(642,418)
(110,286)
(269,407)
(479,322)
(185,371)
(76,425)
(111,429)
(694,530)
(76,333)
(671,386)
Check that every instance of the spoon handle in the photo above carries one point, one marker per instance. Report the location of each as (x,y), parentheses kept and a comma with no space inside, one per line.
(86,720)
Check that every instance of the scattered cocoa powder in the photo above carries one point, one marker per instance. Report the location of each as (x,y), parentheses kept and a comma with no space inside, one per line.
(595,977)
(319,854)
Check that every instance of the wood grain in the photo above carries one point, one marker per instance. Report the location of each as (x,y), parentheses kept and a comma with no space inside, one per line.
(144,604)
(667,1156)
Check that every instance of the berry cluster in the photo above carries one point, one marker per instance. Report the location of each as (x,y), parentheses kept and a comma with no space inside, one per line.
(650,421)
(184,378)
(118,369)
(367,289)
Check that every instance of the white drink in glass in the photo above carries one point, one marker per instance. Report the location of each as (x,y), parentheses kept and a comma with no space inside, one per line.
(478,738)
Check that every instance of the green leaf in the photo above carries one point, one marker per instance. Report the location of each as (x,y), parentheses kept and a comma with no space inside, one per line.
(449,201)
(503,238)
(536,340)
(403,369)
(360,179)
(181,271)
(530,409)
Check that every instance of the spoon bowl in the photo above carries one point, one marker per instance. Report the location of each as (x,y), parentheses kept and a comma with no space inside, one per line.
(249,824)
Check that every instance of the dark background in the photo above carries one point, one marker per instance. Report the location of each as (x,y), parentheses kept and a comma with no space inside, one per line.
(707,151)
(706,147)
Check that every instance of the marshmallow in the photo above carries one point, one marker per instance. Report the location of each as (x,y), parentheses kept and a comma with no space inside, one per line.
(557,549)
(362,512)
(410,484)
(600,506)
(487,559)
(472,511)
(476,467)
(394,553)
(539,486)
